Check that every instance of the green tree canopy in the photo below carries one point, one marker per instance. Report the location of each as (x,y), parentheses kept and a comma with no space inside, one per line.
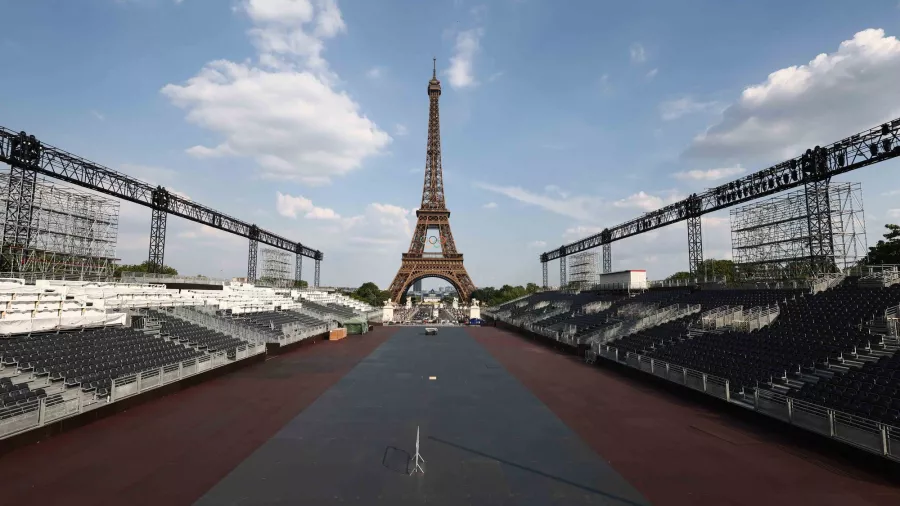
(142,267)
(370,294)
(491,296)
(886,251)
(711,268)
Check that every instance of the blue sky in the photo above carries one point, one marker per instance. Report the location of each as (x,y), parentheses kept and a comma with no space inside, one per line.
(558,118)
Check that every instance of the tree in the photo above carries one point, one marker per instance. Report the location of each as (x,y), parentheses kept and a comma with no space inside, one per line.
(886,251)
(300,284)
(370,294)
(142,267)
(491,296)
(711,269)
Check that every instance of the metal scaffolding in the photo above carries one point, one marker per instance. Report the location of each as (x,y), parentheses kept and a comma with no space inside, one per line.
(787,238)
(68,234)
(583,269)
(276,268)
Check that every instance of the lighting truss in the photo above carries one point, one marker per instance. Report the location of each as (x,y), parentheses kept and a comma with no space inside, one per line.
(58,164)
(817,164)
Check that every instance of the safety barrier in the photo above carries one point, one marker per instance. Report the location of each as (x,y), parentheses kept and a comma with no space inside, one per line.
(869,435)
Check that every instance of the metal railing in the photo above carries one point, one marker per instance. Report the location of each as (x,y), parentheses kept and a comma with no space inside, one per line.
(872,436)
(40,412)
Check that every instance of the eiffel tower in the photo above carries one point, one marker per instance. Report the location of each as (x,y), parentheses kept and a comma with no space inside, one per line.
(433,215)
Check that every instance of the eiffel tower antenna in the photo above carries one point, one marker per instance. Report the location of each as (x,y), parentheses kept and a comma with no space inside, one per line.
(432,215)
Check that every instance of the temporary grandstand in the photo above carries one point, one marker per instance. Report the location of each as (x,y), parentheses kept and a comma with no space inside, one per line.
(73,346)
(823,357)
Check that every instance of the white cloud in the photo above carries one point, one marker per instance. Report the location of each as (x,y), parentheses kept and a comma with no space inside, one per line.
(496,75)
(646,202)
(375,72)
(709,175)
(674,109)
(891,193)
(638,54)
(652,73)
(578,207)
(829,98)
(461,71)
(537,244)
(400,130)
(98,115)
(284,111)
(290,206)
(380,223)
(490,205)
(552,188)
(893,213)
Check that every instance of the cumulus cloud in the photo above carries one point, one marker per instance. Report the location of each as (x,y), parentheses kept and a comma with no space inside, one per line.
(291,206)
(709,175)
(537,244)
(490,205)
(462,71)
(284,111)
(652,73)
(378,224)
(400,130)
(646,202)
(797,107)
(674,109)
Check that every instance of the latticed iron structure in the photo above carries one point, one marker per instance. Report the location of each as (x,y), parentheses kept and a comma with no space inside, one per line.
(276,268)
(433,216)
(65,233)
(584,269)
(816,230)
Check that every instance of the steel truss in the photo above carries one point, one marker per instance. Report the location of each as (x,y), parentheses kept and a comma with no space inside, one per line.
(607,258)
(276,268)
(583,269)
(298,269)
(158,218)
(815,230)
(55,232)
(25,154)
(318,272)
(544,268)
(819,164)
(252,253)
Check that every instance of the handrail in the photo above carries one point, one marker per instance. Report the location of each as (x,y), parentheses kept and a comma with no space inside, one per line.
(867,434)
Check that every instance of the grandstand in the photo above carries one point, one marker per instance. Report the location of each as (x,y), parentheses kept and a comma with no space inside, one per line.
(73,346)
(823,358)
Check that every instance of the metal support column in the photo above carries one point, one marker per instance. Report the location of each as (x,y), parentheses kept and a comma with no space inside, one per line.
(252,254)
(695,235)
(298,270)
(607,258)
(544,269)
(318,272)
(24,150)
(818,211)
(562,272)
(158,215)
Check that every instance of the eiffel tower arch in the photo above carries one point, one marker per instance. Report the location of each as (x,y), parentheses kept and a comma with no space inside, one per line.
(433,215)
